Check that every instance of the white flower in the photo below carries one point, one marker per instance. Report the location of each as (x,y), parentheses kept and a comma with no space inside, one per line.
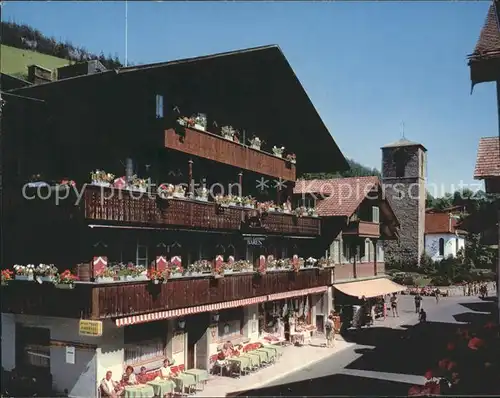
(311,260)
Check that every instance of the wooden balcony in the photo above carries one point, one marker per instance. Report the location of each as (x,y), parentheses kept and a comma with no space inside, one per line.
(345,272)
(213,147)
(106,205)
(99,301)
(363,229)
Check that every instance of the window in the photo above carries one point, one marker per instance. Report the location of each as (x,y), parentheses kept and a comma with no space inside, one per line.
(145,342)
(32,347)
(375,214)
(159,106)
(380,252)
(346,250)
(441,246)
(230,323)
(141,256)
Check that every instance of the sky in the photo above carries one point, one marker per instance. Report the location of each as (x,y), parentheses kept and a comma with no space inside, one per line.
(367,66)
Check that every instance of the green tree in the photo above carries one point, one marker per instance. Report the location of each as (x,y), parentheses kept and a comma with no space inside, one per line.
(355,170)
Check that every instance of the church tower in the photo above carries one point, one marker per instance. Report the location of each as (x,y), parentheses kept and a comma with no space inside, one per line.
(403,178)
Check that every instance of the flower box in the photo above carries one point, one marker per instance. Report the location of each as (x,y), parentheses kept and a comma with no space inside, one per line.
(179,195)
(49,278)
(176,275)
(228,271)
(156,281)
(254,146)
(228,137)
(199,127)
(101,184)
(202,198)
(25,278)
(64,285)
(218,276)
(105,279)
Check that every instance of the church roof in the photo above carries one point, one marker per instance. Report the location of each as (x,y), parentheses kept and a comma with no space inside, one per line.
(403,142)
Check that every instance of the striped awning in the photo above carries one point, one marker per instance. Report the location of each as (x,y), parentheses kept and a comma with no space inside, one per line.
(297,293)
(156,316)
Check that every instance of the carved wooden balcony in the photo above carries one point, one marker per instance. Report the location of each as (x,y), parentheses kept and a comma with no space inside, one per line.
(363,229)
(216,148)
(99,301)
(106,205)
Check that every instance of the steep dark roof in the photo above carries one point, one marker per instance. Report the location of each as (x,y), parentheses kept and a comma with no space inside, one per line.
(489,39)
(402,143)
(257,85)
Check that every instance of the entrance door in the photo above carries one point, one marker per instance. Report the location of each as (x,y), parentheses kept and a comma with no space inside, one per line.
(196,327)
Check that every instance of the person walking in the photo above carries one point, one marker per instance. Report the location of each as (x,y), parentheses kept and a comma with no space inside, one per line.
(418,302)
(437,293)
(330,332)
(394,305)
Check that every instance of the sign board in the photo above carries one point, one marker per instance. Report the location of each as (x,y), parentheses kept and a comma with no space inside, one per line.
(90,328)
(70,355)
(255,240)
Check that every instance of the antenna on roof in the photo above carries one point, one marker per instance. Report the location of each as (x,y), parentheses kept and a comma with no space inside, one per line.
(126,33)
(403,130)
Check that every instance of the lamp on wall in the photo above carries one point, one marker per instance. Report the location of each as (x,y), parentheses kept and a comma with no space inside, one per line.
(182,323)
(215,317)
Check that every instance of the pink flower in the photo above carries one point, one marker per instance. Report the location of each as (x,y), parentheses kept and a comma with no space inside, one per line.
(428,375)
(475,343)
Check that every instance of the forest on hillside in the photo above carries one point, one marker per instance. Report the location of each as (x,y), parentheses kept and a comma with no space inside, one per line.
(28,38)
(356,170)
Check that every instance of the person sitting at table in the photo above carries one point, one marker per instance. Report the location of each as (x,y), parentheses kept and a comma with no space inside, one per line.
(142,377)
(165,370)
(109,387)
(129,376)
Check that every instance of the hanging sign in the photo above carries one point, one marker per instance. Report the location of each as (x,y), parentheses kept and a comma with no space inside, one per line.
(70,355)
(90,328)
(255,240)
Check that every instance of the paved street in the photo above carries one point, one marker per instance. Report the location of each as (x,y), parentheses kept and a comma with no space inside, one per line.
(385,359)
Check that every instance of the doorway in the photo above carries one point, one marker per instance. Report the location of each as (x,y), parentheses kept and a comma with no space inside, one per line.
(197,341)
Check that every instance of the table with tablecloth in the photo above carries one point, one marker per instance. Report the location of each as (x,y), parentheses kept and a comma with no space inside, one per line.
(254,359)
(200,375)
(184,380)
(242,362)
(268,353)
(278,350)
(162,387)
(139,391)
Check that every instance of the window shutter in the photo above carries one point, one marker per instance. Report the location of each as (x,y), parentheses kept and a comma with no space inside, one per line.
(375,214)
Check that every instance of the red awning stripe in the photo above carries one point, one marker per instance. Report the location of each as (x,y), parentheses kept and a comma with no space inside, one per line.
(297,293)
(155,316)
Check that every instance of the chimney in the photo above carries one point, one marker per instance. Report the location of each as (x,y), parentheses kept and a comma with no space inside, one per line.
(38,74)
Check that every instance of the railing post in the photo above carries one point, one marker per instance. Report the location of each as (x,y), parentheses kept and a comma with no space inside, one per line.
(240,182)
(190,176)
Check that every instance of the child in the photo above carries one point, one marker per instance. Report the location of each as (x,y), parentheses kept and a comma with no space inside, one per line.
(422,316)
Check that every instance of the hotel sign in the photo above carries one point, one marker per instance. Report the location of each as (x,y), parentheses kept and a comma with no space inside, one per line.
(254,240)
(90,328)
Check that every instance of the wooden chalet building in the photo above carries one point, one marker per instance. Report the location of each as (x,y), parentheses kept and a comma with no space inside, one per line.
(484,65)
(229,263)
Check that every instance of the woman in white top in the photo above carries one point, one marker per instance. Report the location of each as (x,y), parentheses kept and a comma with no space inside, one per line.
(129,376)
(165,371)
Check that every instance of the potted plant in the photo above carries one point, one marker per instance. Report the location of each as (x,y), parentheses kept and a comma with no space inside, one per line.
(106,276)
(218,269)
(101,178)
(311,212)
(139,184)
(248,202)
(228,132)
(262,269)
(67,184)
(45,273)
(179,191)
(200,122)
(291,158)
(278,152)
(199,268)
(323,262)
(311,261)
(255,143)
(176,269)
(24,273)
(222,200)
(6,276)
(166,191)
(138,273)
(186,121)
(271,263)
(242,266)
(65,280)
(202,194)
(157,276)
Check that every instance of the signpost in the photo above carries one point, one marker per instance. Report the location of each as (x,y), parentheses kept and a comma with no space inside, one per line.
(90,328)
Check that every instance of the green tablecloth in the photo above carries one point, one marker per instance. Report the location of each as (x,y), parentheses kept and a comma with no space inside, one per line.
(200,375)
(270,354)
(162,387)
(254,359)
(139,391)
(277,349)
(184,380)
(261,354)
(242,361)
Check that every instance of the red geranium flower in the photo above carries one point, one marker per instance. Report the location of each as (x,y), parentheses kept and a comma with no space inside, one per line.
(428,375)
(475,343)
(414,391)
(433,387)
(450,346)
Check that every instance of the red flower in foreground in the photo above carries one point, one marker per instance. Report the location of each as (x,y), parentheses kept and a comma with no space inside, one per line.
(414,391)
(450,346)
(451,365)
(443,363)
(433,387)
(428,375)
(475,343)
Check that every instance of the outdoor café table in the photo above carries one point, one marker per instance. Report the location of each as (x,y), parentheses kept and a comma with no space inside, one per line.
(262,355)
(277,349)
(139,391)
(162,387)
(183,380)
(254,359)
(200,375)
(269,353)
(242,361)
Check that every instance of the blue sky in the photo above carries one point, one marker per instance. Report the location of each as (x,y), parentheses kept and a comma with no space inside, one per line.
(367,66)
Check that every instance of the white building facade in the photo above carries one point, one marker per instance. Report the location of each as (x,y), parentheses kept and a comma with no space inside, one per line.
(440,246)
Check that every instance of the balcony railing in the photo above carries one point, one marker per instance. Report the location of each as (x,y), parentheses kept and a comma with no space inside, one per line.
(363,229)
(214,147)
(122,206)
(345,272)
(99,301)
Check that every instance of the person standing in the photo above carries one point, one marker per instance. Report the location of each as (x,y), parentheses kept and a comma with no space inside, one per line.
(437,293)
(418,302)
(330,332)
(394,305)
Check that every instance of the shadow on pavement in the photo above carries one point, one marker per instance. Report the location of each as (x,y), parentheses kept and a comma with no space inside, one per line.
(482,306)
(471,317)
(337,384)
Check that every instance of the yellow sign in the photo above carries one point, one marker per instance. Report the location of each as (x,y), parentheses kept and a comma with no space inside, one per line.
(90,328)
